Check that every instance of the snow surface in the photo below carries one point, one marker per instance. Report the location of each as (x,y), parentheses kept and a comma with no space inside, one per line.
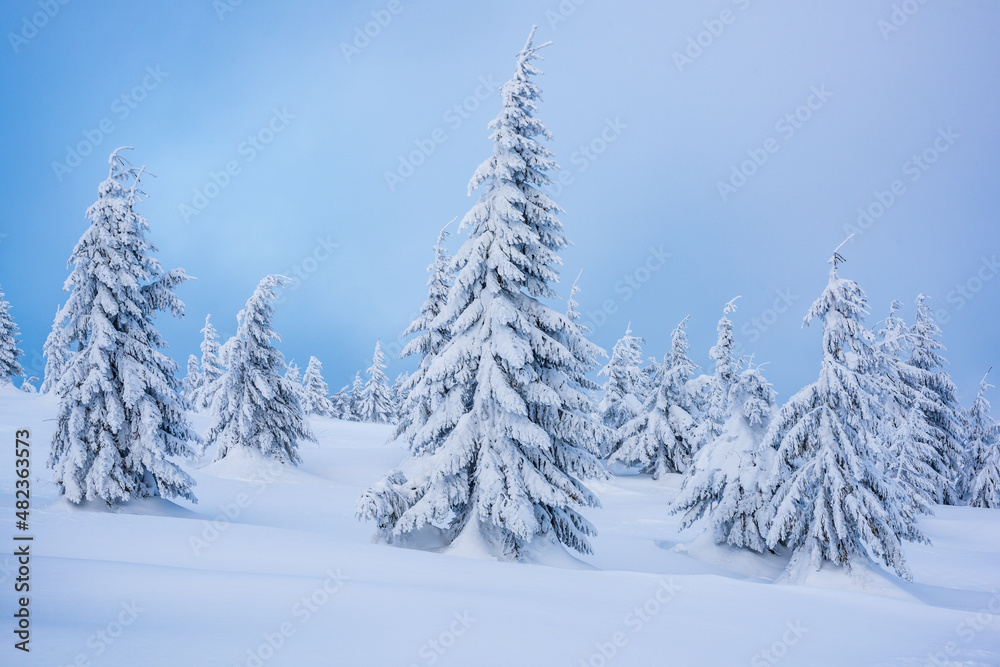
(650,595)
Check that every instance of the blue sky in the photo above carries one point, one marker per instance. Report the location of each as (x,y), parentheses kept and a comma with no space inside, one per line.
(272,128)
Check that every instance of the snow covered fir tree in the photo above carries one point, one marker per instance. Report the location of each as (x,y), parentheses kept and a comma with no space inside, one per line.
(426,342)
(375,404)
(315,391)
(210,367)
(625,388)
(831,498)
(120,414)
(256,410)
(984,452)
(503,452)
(10,353)
(662,437)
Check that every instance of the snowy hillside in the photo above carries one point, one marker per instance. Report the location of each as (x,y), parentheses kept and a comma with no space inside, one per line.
(272,568)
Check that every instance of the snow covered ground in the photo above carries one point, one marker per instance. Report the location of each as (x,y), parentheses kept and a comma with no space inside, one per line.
(272,568)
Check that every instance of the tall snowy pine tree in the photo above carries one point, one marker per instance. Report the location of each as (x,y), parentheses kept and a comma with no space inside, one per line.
(503,449)
(120,413)
(831,499)
(255,408)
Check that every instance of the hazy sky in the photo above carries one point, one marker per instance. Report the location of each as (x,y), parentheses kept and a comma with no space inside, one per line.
(343,154)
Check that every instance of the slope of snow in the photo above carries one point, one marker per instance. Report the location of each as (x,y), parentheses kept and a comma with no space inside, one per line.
(271,568)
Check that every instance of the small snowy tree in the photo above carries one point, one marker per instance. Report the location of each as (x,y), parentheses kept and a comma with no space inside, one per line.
(984,447)
(10,367)
(28,386)
(503,449)
(193,380)
(376,399)
(662,437)
(293,376)
(340,404)
(622,399)
(725,483)
(56,354)
(211,367)
(399,390)
(255,408)
(831,499)
(357,395)
(120,413)
(724,378)
(315,399)
(422,393)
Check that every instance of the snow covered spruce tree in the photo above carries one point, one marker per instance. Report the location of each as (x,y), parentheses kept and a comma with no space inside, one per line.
(120,414)
(662,438)
(938,405)
(422,394)
(255,409)
(910,440)
(624,391)
(340,404)
(721,385)
(724,484)
(357,394)
(293,376)
(984,450)
(56,353)
(376,405)
(10,367)
(399,391)
(211,367)
(316,392)
(502,453)
(193,380)
(831,499)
